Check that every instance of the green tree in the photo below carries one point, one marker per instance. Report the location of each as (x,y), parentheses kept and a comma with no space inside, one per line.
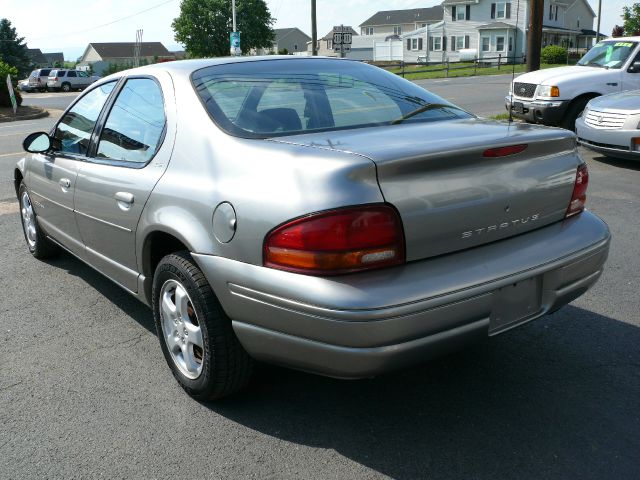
(13,50)
(631,17)
(203,26)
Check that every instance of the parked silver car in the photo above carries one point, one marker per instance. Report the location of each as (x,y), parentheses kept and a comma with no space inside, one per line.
(317,213)
(67,80)
(609,125)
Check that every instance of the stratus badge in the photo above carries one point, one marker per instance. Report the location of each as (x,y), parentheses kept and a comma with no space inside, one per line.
(500,226)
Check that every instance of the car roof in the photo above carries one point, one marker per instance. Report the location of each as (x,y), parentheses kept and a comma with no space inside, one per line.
(182,67)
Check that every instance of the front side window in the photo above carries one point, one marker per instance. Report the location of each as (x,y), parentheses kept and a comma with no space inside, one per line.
(75,129)
(82,74)
(71,74)
(609,54)
(285,97)
(135,124)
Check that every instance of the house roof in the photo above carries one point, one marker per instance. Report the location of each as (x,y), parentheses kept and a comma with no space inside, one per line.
(54,57)
(36,55)
(548,28)
(282,33)
(396,17)
(125,49)
(423,30)
(329,36)
(497,26)
(592,33)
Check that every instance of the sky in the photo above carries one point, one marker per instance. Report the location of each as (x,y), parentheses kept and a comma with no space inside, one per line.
(69,25)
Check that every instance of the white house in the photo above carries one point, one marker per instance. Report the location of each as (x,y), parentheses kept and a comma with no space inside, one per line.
(488,29)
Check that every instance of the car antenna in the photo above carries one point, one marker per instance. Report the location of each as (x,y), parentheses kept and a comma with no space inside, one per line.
(513,66)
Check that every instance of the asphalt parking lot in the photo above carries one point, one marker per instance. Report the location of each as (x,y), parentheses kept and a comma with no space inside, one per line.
(85,392)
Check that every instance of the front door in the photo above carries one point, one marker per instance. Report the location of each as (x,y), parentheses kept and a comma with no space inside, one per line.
(52,176)
(113,186)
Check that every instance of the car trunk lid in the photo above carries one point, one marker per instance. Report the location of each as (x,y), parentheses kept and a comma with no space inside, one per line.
(449,194)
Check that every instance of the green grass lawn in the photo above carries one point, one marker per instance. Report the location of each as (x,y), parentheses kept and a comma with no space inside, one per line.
(462,69)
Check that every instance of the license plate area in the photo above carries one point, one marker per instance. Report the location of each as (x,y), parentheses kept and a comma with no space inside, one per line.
(515,304)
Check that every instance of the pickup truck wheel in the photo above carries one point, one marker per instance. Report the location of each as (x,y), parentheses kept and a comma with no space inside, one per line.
(575,109)
(37,242)
(195,334)
(66,87)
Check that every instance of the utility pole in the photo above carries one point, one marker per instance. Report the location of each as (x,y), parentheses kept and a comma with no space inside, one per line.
(598,30)
(534,40)
(233,14)
(314,30)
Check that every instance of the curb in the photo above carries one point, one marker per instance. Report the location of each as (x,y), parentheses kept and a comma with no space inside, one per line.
(32,116)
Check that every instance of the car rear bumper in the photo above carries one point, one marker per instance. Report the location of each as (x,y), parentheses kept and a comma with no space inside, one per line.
(364,324)
(615,143)
(537,111)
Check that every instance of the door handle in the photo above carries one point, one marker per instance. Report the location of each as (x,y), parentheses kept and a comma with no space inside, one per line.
(124,197)
(64,182)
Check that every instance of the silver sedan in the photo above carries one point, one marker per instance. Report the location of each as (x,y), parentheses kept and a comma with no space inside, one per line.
(611,125)
(317,213)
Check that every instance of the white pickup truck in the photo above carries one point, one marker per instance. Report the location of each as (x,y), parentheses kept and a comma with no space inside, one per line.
(557,96)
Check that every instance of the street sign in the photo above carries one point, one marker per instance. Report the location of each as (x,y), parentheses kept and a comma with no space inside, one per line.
(12,95)
(234,41)
(342,38)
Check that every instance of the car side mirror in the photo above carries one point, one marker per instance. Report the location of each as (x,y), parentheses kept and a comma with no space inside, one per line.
(634,68)
(38,142)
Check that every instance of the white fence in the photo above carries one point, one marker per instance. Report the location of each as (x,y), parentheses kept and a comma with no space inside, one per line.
(388,51)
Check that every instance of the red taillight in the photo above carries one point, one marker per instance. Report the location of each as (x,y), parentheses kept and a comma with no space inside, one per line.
(579,197)
(337,241)
(504,151)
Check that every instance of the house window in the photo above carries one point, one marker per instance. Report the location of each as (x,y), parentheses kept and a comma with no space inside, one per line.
(578,22)
(510,43)
(329,44)
(414,44)
(367,30)
(501,10)
(295,47)
(436,44)
(459,43)
(553,12)
(486,44)
(397,30)
(460,13)
(500,44)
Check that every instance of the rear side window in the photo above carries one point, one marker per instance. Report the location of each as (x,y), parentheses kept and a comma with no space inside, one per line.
(61,73)
(75,129)
(44,72)
(134,128)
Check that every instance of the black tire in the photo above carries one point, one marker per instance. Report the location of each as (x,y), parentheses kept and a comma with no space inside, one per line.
(39,245)
(225,367)
(65,87)
(575,109)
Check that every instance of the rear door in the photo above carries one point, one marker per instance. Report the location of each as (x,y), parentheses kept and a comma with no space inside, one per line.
(52,177)
(133,147)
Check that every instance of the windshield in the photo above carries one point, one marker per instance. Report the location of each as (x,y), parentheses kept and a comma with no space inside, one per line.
(269,98)
(610,54)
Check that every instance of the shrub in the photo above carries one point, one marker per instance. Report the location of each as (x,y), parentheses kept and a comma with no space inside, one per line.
(6,69)
(553,54)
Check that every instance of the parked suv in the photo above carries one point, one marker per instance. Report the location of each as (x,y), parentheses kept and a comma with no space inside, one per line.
(38,79)
(557,96)
(67,80)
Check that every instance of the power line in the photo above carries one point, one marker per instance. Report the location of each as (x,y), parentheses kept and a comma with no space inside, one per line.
(108,23)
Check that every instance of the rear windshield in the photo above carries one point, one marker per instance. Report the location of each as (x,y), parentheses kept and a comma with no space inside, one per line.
(609,54)
(269,98)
